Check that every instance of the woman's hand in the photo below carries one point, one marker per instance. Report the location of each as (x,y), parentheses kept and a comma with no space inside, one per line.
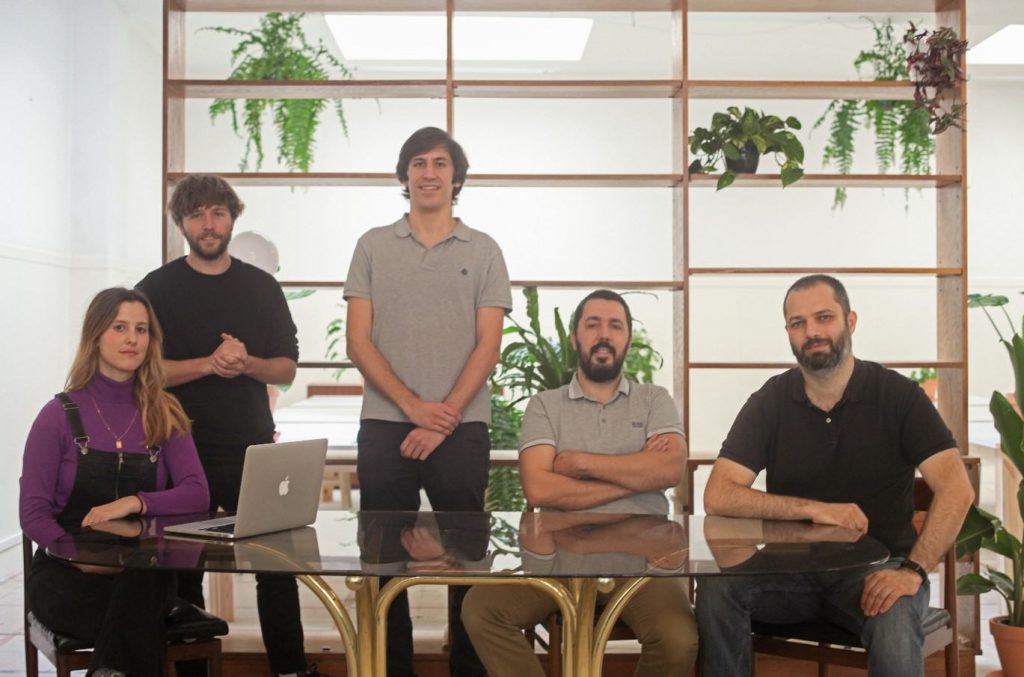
(122,507)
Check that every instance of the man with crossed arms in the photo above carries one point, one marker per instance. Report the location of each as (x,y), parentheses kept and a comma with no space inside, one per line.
(600,444)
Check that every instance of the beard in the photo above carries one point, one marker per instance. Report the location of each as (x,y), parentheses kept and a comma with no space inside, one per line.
(596,371)
(195,246)
(823,360)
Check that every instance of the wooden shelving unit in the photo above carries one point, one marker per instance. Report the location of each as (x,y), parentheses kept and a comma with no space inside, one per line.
(948,184)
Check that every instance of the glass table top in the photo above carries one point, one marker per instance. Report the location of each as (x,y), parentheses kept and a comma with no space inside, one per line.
(496,544)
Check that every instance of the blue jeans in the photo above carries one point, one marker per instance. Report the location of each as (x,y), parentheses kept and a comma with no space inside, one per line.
(726,605)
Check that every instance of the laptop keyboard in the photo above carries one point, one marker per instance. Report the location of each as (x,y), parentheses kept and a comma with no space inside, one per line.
(221,529)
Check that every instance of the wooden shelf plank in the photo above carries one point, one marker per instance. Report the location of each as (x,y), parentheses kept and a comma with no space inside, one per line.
(833,181)
(825,6)
(859,6)
(793,89)
(565,89)
(301,179)
(668,285)
(891,364)
(864,270)
(310,5)
(587,180)
(413,89)
(576,180)
(484,180)
(306,89)
(325,365)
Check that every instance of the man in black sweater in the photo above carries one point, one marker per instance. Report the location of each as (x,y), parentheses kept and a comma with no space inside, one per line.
(227,334)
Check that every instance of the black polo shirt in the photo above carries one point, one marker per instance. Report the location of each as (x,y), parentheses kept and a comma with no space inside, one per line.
(863,451)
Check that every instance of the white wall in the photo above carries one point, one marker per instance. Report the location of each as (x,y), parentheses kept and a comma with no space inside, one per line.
(82,114)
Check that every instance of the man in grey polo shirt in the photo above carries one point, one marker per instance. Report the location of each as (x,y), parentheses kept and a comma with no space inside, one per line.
(427,297)
(600,444)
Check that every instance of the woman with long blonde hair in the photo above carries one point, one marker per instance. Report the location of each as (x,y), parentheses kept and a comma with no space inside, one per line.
(113,445)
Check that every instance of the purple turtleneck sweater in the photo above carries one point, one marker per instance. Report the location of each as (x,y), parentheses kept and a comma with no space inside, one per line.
(51,458)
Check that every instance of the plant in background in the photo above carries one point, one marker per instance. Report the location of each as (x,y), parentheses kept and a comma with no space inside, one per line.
(898,125)
(532,364)
(924,374)
(279,50)
(980,528)
(336,341)
(935,65)
(740,138)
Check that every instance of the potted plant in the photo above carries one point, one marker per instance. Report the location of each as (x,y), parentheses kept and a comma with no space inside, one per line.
(279,50)
(741,137)
(935,66)
(530,364)
(902,132)
(984,530)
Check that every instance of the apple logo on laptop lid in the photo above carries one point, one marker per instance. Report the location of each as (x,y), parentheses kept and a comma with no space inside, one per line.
(282,488)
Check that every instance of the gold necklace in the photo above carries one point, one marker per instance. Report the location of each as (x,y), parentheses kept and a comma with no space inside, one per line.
(117,438)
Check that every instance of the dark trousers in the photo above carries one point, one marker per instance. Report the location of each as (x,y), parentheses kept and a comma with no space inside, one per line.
(123,615)
(277,595)
(454,477)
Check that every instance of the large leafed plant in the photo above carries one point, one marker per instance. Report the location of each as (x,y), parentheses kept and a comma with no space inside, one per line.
(982,529)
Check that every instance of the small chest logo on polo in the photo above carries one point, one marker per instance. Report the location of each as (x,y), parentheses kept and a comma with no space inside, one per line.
(638,424)
(465,272)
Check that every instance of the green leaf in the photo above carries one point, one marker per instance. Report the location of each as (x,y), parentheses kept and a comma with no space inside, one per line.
(730,152)
(696,167)
(986,300)
(1010,427)
(1002,582)
(793,149)
(298,294)
(793,123)
(791,174)
(978,525)
(762,145)
(726,179)
(973,584)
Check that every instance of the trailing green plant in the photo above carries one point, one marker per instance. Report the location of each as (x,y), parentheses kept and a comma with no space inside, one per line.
(935,65)
(278,50)
(736,132)
(981,529)
(902,133)
(532,364)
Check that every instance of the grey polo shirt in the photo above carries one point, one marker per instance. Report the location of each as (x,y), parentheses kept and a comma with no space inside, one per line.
(424,308)
(567,419)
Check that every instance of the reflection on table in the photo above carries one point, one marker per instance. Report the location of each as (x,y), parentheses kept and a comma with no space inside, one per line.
(571,556)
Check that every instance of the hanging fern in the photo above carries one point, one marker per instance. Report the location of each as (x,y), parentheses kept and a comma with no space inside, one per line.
(278,50)
(902,133)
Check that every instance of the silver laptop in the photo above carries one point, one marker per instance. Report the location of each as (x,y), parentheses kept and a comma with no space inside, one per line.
(280,490)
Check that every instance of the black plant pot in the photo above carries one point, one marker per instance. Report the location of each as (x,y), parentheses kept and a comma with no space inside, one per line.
(747,162)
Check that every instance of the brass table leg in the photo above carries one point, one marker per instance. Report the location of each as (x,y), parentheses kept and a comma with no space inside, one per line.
(566,600)
(339,615)
(627,589)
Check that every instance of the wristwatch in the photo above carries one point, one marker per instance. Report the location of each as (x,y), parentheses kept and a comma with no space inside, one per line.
(916,568)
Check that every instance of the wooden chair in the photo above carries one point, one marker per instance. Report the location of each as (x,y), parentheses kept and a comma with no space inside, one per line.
(191,634)
(827,644)
(553,625)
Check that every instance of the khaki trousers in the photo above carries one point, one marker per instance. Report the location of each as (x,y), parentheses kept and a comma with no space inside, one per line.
(659,615)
